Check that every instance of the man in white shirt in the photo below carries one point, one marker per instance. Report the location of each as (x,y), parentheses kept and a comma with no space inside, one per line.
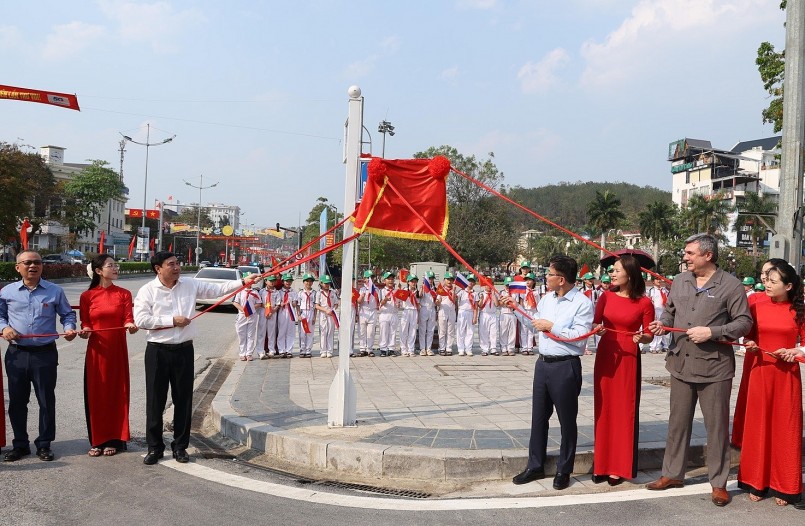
(164,308)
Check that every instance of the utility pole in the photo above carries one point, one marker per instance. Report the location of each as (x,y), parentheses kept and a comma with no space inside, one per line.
(787,243)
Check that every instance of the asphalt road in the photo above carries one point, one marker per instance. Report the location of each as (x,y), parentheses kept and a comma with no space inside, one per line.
(120,490)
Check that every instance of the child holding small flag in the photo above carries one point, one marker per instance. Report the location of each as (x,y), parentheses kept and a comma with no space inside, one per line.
(446,302)
(487,318)
(273,301)
(465,301)
(529,301)
(247,301)
(427,314)
(508,321)
(307,316)
(388,315)
(410,315)
(286,317)
(327,305)
(367,315)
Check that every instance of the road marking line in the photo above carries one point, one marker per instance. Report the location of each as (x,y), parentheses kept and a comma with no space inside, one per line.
(352,501)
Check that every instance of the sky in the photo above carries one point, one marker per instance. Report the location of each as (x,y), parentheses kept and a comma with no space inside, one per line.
(256,91)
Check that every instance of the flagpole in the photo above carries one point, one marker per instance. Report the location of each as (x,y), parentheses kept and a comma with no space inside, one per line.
(343,398)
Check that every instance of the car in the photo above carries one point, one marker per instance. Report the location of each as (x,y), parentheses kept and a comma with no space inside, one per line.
(204,264)
(218,275)
(61,259)
(245,270)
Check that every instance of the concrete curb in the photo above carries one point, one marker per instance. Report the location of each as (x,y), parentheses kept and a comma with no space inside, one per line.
(352,461)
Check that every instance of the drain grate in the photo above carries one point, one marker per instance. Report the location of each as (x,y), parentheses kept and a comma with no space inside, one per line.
(409,494)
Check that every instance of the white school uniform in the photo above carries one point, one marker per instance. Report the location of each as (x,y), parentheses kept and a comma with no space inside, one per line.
(465,299)
(427,319)
(369,303)
(246,327)
(528,335)
(447,322)
(408,324)
(307,311)
(487,322)
(327,299)
(387,318)
(286,328)
(508,325)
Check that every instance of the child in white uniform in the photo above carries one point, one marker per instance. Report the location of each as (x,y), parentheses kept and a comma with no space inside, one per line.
(427,316)
(410,315)
(487,319)
(307,311)
(286,327)
(447,316)
(465,318)
(326,305)
(387,315)
(508,322)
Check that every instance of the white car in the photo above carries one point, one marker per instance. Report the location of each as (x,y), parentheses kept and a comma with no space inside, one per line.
(218,275)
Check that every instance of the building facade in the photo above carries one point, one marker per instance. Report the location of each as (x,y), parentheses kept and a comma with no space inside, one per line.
(54,236)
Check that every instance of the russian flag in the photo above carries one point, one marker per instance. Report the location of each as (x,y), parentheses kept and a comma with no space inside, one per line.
(292,313)
(247,308)
(517,287)
(336,321)
(461,281)
(426,285)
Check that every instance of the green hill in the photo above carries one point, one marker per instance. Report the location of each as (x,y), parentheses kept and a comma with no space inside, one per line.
(566,203)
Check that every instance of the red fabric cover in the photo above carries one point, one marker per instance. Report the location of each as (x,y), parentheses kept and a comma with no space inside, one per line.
(421,182)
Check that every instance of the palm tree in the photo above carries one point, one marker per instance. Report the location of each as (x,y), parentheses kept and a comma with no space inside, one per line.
(657,222)
(604,213)
(707,215)
(753,207)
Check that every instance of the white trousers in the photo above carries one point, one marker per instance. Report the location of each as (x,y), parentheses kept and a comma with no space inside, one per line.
(508,332)
(387,322)
(528,335)
(408,325)
(286,332)
(368,322)
(488,331)
(427,323)
(246,329)
(447,329)
(271,333)
(326,332)
(464,331)
(306,339)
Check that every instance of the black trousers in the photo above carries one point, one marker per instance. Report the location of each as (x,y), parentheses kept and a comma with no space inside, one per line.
(168,365)
(556,385)
(26,366)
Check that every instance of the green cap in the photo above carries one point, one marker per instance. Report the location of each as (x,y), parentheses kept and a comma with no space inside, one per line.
(531,275)
(368,274)
(430,274)
(589,275)
(526,264)
(760,287)
(412,277)
(272,277)
(748,280)
(308,276)
(507,280)
(606,279)
(326,279)
(670,276)
(287,277)
(388,274)
(611,268)
(472,277)
(448,275)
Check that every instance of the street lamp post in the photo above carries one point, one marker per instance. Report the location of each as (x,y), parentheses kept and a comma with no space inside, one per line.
(198,222)
(147,145)
(385,127)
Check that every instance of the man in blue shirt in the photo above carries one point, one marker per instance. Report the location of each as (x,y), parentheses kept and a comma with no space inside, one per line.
(567,313)
(29,307)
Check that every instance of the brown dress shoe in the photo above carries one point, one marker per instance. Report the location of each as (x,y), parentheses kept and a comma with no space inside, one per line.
(720,497)
(664,483)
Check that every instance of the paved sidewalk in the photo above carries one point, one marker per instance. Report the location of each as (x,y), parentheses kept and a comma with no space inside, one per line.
(423,421)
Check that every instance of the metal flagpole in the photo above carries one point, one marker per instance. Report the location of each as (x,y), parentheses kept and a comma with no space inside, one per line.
(343,399)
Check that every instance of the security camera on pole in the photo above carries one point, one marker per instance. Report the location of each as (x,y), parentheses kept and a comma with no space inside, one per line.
(343,400)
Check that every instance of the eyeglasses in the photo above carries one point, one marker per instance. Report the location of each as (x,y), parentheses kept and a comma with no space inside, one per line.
(111,265)
(29,263)
(553,275)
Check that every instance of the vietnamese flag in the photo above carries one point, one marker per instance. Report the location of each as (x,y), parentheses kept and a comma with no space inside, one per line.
(584,269)
(401,294)
(403,275)
(131,245)
(170,247)
(151,244)
(306,326)
(103,242)
(355,295)
(441,290)
(24,233)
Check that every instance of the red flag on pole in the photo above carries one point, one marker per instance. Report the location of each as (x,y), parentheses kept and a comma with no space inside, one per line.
(170,247)
(24,233)
(189,256)
(131,245)
(151,244)
(103,242)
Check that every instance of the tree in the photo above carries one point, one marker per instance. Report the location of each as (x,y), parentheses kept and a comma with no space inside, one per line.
(604,213)
(189,216)
(706,215)
(757,212)
(657,223)
(87,193)
(771,66)
(312,227)
(26,188)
